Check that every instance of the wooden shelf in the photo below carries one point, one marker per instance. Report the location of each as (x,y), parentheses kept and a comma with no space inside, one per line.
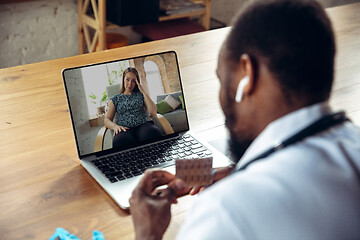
(88,42)
(182,15)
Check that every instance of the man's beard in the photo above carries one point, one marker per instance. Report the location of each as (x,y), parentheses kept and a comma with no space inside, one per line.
(236,146)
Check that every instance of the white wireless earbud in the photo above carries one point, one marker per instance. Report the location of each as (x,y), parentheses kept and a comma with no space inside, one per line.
(240,89)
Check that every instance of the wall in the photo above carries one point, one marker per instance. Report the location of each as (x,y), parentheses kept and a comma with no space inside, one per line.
(47,29)
(86,135)
(37,31)
(41,30)
(172,72)
(224,10)
(168,70)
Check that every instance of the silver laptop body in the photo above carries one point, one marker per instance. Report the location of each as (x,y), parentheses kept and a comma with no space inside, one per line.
(88,89)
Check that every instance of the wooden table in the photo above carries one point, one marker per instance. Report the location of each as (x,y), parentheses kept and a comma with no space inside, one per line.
(43,185)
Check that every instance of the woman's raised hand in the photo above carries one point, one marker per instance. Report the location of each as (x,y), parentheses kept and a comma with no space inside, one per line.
(149,104)
(118,129)
(139,86)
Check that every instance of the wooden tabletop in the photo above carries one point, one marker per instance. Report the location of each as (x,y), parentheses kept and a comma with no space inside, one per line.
(43,185)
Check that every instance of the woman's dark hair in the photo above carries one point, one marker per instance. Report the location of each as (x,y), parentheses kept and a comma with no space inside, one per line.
(126,71)
(296,41)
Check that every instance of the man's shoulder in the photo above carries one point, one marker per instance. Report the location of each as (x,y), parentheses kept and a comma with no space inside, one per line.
(287,176)
(329,148)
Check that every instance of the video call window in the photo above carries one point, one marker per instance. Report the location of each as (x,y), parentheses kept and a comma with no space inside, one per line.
(90,90)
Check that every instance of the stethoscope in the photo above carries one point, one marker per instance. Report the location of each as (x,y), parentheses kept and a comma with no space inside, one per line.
(318,126)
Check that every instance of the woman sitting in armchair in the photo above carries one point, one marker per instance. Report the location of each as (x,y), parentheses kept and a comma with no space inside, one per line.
(131,107)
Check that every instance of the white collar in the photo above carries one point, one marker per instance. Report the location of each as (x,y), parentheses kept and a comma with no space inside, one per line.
(282,128)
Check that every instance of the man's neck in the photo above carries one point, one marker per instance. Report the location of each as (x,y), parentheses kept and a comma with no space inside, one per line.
(273,111)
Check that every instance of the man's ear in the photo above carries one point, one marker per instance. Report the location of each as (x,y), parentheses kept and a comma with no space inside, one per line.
(245,71)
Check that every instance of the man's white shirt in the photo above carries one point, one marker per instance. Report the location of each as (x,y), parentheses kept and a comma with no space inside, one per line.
(308,190)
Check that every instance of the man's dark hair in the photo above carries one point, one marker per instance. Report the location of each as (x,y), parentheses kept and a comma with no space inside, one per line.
(296,41)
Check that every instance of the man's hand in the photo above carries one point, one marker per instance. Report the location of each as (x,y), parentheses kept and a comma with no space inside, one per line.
(219,174)
(150,207)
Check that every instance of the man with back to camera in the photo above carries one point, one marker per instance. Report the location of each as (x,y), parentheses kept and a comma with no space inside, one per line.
(276,70)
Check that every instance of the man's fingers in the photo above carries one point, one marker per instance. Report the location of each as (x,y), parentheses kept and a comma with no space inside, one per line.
(179,187)
(135,196)
(222,172)
(167,193)
(154,178)
(196,190)
(219,174)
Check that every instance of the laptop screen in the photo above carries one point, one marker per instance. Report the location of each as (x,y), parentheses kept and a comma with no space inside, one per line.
(125,103)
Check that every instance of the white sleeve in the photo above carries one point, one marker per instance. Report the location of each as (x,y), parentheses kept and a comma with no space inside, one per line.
(209,218)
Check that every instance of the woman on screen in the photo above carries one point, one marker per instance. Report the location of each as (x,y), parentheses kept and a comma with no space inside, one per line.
(132,107)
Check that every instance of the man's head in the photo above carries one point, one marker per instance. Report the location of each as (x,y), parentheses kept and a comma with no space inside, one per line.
(285,50)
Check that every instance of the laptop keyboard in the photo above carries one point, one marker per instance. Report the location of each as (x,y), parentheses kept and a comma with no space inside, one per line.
(134,162)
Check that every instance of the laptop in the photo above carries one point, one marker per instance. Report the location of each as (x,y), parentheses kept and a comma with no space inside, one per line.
(91,89)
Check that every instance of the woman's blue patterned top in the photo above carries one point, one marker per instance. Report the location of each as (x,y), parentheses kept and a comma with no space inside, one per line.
(130,109)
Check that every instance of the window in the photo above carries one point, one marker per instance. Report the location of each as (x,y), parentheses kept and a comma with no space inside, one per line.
(97,78)
(153,79)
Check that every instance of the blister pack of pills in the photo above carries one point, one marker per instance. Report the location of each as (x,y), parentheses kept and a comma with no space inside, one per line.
(195,172)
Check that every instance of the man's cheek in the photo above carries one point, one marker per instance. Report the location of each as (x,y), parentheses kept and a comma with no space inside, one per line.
(224,103)
(221,97)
